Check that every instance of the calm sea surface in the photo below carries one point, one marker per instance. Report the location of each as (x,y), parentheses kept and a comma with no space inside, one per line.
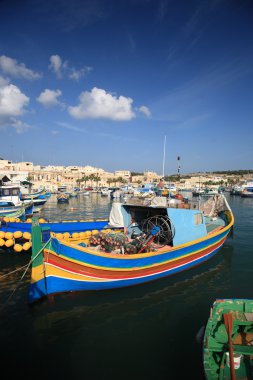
(144,332)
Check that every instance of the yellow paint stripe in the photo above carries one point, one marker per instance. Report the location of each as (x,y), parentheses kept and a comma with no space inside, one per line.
(52,270)
(132,268)
(150,254)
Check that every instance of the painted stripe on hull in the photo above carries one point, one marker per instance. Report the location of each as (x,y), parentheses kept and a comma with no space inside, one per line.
(88,257)
(103,272)
(56,285)
(75,270)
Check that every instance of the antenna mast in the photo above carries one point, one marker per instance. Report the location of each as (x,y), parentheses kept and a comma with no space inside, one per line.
(164,154)
(178,168)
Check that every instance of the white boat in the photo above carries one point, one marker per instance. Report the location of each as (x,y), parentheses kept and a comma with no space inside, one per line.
(208,192)
(247,190)
(197,191)
(105,192)
(10,199)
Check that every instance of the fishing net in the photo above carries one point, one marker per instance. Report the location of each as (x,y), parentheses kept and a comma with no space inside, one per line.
(119,243)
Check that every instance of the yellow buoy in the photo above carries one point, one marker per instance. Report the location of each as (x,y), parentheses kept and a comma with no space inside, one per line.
(9,243)
(88,233)
(8,235)
(17,234)
(41,220)
(27,246)
(27,235)
(82,235)
(17,220)
(94,232)
(18,248)
(66,235)
(2,242)
(75,235)
(29,220)
(59,236)
(2,234)
(6,219)
(12,220)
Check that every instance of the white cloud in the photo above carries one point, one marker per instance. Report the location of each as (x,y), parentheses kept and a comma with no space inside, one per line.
(19,125)
(11,67)
(78,74)
(12,101)
(61,68)
(12,104)
(71,127)
(56,65)
(145,110)
(100,104)
(49,98)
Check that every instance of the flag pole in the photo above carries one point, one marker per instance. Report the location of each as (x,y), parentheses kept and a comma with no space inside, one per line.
(164,155)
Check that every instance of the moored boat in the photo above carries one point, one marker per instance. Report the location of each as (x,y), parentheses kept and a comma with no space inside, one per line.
(247,190)
(13,214)
(22,211)
(228,340)
(63,198)
(236,190)
(146,241)
(197,191)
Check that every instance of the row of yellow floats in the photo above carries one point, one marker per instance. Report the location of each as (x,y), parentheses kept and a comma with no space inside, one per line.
(14,239)
(9,240)
(79,235)
(7,219)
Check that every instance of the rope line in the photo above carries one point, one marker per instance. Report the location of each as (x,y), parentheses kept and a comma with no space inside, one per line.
(21,278)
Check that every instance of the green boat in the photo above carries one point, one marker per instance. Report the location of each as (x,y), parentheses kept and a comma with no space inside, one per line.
(20,213)
(229,334)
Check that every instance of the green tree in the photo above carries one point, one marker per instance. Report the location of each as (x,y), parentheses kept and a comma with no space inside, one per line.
(109,181)
(92,178)
(97,179)
(119,179)
(84,179)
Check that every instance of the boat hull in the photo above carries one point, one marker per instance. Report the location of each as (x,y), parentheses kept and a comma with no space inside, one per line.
(216,345)
(66,268)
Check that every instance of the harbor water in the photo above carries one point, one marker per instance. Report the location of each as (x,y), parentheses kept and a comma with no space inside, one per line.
(146,332)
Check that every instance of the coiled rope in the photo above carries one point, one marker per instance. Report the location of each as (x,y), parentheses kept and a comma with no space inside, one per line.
(23,275)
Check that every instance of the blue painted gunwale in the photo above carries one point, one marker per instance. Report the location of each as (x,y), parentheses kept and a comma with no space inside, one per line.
(92,258)
(57,227)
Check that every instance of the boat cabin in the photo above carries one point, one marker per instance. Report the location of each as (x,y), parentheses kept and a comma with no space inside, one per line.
(10,194)
(174,226)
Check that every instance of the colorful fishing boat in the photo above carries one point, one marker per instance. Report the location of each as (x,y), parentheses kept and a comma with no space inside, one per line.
(144,240)
(63,198)
(41,194)
(9,209)
(12,214)
(228,340)
(11,195)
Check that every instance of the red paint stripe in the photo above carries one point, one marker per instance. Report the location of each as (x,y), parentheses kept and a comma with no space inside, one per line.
(63,264)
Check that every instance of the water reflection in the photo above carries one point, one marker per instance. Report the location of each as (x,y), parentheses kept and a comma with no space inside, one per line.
(93,206)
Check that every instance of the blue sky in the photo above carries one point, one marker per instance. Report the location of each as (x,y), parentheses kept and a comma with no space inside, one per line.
(103,82)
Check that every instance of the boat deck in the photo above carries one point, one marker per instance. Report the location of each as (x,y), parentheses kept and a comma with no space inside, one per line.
(214,224)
